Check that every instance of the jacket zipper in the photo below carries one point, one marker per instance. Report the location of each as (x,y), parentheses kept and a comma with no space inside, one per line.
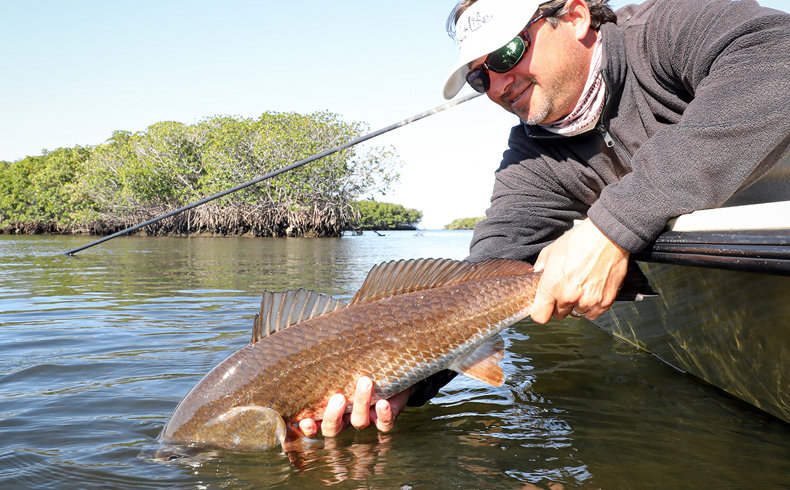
(613,143)
(607,137)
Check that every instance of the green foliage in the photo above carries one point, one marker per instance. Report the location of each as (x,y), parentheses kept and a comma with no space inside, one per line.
(140,175)
(463,223)
(385,216)
(42,188)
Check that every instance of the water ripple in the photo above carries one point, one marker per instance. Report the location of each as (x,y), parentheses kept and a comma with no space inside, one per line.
(98,349)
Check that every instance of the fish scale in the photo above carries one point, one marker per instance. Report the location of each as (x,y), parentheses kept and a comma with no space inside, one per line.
(396,338)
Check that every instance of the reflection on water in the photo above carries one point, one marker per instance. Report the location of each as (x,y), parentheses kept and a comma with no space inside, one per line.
(97,350)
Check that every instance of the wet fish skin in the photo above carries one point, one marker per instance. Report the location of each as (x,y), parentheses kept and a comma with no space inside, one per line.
(397,338)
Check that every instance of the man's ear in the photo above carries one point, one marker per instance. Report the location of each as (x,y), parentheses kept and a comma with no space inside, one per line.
(578,17)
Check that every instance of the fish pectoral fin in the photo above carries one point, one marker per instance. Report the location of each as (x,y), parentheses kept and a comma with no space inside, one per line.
(249,427)
(482,364)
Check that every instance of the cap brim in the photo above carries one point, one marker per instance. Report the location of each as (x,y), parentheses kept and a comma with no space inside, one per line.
(455,80)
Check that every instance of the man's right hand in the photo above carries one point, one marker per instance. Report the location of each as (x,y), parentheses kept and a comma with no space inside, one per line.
(582,273)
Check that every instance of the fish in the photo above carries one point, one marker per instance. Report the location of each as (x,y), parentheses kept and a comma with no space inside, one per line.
(409,320)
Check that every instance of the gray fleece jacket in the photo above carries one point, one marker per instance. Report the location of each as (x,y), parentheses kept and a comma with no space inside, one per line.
(698,107)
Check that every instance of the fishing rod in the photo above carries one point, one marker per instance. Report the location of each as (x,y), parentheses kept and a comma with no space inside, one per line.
(275,173)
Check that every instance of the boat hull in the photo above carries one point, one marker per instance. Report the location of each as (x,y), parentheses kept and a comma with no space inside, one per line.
(728,327)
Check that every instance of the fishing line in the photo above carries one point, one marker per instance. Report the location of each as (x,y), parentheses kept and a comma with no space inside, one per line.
(275,173)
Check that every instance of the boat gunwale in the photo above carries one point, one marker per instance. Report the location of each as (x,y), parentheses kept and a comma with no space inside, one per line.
(763,251)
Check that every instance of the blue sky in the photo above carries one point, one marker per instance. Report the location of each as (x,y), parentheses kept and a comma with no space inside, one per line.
(73,72)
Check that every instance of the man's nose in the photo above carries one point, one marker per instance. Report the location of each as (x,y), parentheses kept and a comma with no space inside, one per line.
(499,83)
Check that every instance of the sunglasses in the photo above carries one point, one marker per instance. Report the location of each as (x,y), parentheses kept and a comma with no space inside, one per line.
(505,58)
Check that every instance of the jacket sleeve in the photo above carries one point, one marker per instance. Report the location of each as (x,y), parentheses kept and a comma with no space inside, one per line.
(529,205)
(731,61)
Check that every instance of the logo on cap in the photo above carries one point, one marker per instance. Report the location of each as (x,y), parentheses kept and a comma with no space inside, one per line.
(469,24)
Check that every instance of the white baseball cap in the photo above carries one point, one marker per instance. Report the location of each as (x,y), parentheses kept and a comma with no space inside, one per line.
(486,26)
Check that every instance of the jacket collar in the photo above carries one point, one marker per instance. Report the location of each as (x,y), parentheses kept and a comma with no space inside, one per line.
(613,68)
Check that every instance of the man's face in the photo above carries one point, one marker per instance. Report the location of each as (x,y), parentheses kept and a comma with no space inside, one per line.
(548,81)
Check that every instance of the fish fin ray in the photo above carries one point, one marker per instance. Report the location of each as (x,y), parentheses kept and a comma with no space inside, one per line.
(256,328)
(280,310)
(398,277)
(482,364)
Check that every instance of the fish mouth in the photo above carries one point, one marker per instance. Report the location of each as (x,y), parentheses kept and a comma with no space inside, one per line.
(187,455)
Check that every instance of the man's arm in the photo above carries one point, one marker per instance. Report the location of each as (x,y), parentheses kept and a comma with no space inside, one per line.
(728,65)
(538,193)
(536,197)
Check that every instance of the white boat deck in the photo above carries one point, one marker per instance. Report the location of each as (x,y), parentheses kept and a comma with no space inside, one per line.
(764,216)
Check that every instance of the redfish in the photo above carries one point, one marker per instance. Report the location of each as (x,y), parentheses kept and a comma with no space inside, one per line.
(409,320)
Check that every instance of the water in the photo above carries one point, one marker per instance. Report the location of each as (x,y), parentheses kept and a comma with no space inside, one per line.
(97,349)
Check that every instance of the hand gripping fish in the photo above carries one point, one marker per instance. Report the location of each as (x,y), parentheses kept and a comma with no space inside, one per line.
(409,320)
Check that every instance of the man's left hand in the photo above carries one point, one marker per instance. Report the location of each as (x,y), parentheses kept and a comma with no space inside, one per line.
(335,418)
(582,272)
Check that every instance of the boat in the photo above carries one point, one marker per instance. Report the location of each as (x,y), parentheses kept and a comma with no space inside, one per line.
(722,313)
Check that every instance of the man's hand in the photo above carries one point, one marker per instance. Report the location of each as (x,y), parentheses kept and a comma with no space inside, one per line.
(582,272)
(335,419)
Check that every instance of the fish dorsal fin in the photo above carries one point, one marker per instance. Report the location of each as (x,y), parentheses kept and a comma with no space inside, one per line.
(483,363)
(281,310)
(406,276)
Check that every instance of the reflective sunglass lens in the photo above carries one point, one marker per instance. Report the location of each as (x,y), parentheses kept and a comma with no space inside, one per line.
(500,61)
(478,80)
(506,57)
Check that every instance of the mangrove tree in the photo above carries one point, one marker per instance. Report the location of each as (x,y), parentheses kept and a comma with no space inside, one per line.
(135,176)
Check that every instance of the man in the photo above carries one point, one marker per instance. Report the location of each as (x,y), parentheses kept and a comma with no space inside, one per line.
(626,122)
